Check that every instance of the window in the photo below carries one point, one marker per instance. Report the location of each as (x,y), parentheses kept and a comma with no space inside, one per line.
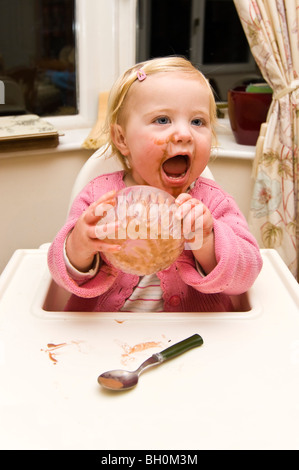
(223,44)
(38,56)
(208,32)
(104,35)
(108,36)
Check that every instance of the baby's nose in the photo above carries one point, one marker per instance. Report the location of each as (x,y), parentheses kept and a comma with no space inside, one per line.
(182,133)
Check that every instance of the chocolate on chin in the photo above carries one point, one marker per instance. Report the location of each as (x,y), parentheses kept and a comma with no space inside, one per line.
(150,236)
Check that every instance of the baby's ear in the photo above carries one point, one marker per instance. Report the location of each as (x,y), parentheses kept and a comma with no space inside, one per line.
(119,139)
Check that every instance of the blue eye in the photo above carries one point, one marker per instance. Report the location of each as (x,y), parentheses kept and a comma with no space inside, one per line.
(197,122)
(162,120)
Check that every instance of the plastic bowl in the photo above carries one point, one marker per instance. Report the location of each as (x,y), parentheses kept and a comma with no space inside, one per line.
(149,235)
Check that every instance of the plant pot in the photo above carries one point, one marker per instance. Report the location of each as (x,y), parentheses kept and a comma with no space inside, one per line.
(247,112)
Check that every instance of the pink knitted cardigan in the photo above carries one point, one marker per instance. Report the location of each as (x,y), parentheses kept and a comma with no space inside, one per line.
(184,289)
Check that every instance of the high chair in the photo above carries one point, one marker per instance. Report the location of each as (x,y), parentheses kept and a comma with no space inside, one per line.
(242,386)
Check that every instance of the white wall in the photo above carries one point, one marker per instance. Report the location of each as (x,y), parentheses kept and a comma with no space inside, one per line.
(34,197)
(234,176)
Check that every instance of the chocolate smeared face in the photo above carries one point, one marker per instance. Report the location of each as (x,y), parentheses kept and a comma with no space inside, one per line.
(165,131)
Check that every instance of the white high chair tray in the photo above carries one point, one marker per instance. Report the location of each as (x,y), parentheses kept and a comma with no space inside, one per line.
(238,391)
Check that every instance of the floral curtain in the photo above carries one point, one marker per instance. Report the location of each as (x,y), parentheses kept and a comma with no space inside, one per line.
(272,31)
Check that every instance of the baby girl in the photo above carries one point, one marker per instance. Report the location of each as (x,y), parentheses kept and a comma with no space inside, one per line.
(161,122)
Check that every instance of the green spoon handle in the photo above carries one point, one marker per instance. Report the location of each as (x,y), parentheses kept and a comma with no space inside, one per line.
(179,348)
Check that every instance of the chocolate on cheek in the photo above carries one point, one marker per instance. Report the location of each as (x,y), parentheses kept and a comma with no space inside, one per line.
(170,139)
(162,141)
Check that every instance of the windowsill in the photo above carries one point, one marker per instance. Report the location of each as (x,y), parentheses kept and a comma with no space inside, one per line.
(69,140)
(72,140)
(227,145)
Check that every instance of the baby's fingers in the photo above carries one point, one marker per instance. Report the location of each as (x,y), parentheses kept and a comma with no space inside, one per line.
(106,234)
(102,231)
(193,220)
(107,198)
(102,247)
(99,208)
(186,207)
(183,197)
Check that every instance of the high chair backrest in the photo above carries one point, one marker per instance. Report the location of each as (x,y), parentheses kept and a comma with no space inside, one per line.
(100,163)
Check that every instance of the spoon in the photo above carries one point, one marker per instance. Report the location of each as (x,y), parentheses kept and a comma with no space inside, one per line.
(123,380)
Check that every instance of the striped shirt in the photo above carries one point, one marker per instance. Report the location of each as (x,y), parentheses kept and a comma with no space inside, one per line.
(146,297)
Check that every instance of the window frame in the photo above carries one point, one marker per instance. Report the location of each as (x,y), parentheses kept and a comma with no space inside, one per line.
(197,37)
(105,46)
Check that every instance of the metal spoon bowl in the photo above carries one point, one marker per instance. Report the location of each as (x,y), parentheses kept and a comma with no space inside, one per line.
(124,380)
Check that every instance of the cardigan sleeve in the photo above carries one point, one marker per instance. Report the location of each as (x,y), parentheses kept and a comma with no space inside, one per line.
(91,286)
(237,253)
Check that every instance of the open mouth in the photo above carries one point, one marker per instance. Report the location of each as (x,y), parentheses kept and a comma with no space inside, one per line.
(176,167)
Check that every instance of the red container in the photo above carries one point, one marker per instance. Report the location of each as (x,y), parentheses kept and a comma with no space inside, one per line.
(247,112)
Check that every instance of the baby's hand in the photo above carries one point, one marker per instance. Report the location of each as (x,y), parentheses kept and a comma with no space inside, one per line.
(85,241)
(197,220)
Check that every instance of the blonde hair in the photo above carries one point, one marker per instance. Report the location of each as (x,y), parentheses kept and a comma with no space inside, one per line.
(123,84)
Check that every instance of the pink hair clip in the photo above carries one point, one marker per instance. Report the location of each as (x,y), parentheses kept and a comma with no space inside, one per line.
(141,75)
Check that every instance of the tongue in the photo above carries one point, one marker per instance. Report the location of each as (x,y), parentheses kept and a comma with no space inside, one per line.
(175,166)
